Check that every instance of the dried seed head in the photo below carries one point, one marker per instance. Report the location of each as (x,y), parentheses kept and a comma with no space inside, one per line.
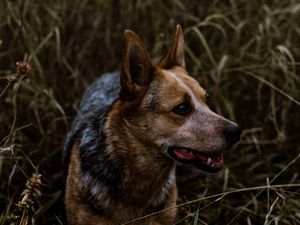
(23,68)
(12,78)
(33,185)
(31,191)
(13,218)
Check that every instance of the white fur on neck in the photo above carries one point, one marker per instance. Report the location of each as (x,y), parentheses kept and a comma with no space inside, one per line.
(166,188)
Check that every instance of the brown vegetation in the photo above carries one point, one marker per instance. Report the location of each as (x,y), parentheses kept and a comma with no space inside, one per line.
(246,53)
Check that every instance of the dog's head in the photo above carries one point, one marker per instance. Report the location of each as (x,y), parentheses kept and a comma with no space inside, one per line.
(167,109)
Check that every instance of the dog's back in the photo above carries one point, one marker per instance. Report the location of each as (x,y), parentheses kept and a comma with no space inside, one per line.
(95,102)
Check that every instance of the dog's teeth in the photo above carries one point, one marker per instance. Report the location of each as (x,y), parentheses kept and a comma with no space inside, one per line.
(208,161)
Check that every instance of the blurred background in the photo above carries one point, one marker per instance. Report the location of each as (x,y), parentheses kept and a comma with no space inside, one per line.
(245,53)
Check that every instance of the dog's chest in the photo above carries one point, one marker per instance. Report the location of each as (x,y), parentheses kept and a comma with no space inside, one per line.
(165,189)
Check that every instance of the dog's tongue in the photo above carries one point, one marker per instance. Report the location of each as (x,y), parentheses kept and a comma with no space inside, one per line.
(184,154)
(213,160)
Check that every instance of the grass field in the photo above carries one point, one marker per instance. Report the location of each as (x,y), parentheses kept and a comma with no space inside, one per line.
(245,53)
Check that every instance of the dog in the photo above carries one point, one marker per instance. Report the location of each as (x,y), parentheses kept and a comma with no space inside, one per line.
(131,131)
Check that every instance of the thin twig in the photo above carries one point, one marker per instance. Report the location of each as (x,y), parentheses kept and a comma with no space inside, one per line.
(4,90)
(220,195)
(273,179)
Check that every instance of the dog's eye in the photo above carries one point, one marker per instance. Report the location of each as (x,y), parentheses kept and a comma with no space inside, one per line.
(183,109)
(207,97)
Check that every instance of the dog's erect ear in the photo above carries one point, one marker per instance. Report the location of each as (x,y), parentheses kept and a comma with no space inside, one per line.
(137,68)
(175,56)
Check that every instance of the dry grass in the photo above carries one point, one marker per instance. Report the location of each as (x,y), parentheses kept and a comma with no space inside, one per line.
(246,53)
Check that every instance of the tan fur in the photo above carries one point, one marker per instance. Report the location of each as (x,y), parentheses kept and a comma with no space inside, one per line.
(77,210)
(79,213)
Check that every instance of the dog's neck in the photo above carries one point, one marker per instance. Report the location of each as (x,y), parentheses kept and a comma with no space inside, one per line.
(148,172)
(122,167)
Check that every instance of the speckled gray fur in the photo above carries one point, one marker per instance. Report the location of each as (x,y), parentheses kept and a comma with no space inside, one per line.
(101,93)
(96,99)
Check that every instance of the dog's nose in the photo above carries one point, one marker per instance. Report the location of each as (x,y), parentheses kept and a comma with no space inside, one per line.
(233,133)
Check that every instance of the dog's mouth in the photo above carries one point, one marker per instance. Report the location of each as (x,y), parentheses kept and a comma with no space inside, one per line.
(208,162)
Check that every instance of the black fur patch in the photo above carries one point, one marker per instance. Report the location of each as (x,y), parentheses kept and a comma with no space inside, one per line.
(105,173)
(96,99)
